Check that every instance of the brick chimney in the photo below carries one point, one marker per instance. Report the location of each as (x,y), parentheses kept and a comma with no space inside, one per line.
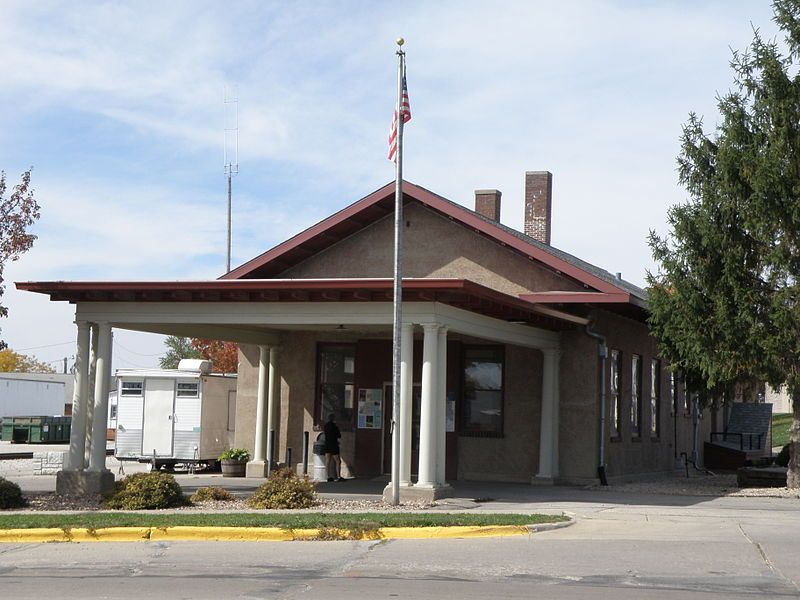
(538,202)
(487,203)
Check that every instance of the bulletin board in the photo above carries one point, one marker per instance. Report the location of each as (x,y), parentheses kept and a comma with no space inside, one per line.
(370,408)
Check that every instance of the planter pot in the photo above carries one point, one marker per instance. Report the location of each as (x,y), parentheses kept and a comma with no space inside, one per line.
(233,468)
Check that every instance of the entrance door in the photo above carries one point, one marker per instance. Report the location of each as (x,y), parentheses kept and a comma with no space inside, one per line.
(416,402)
(159,407)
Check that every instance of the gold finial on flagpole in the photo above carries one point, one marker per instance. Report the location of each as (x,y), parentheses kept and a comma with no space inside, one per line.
(400,41)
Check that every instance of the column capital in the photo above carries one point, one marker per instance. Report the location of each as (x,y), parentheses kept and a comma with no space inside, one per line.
(406,325)
(430,326)
(443,329)
(553,352)
(82,323)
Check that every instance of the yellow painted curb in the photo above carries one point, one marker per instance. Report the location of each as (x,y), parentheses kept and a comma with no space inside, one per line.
(248,534)
(108,534)
(33,535)
(222,534)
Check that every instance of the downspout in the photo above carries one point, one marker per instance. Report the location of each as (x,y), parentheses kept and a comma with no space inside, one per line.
(602,352)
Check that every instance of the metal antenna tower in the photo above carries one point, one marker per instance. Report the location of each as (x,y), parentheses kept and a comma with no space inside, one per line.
(230,150)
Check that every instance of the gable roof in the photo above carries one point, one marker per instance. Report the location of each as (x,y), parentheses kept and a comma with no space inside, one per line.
(380,203)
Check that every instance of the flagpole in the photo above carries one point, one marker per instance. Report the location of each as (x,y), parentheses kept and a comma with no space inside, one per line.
(398,279)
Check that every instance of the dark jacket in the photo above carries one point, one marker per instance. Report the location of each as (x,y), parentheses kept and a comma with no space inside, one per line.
(332,435)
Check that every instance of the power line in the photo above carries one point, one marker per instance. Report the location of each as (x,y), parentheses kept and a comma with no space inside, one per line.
(47,346)
(118,345)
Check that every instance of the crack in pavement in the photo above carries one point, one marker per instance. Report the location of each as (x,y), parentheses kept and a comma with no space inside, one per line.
(770,565)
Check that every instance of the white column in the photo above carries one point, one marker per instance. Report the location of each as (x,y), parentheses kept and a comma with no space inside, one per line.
(405,423)
(260,451)
(80,399)
(90,395)
(273,403)
(441,407)
(97,456)
(427,416)
(548,431)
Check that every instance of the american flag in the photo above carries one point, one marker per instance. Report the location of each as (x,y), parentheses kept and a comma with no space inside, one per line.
(405,111)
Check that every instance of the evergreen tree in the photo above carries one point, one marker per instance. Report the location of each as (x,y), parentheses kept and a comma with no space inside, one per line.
(725,301)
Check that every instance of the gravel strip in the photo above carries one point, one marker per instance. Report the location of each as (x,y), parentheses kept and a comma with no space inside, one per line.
(48,501)
(697,485)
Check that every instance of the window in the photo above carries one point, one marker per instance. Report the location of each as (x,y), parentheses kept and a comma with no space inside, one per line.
(231,410)
(482,408)
(336,368)
(636,396)
(187,389)
(655,398)
(673,392)
(132,388)
(687,407)
(614,384)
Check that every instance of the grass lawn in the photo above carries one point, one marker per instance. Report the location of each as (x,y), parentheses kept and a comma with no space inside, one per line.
(97,520)
(780,428)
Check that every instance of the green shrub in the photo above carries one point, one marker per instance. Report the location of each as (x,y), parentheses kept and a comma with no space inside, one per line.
(146,491)
(206,494)
(241,454)
(10,495)
(782,459)
(284,489)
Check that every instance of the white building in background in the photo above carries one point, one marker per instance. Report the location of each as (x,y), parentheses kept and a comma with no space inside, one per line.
(21,396)
(781,402)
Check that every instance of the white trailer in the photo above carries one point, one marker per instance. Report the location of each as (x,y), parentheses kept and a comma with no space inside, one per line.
(174,416)
(21,397)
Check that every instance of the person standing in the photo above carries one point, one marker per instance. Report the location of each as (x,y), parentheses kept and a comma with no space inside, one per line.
(332,435)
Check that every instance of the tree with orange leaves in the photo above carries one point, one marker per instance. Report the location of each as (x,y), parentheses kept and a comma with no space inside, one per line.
(224,355)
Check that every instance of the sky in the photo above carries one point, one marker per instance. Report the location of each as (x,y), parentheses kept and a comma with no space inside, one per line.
(118,107)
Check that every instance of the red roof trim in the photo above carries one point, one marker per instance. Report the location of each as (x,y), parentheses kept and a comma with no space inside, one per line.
(460,293)
(311,232)
(577,298)
(438,204)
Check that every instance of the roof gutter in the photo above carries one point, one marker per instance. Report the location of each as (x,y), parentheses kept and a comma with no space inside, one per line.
(602,352)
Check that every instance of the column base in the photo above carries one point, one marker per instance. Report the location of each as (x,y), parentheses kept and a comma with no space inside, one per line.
(82,483)
(256,468)
(413,493)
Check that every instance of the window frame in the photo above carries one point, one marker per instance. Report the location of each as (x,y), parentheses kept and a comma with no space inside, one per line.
(195,384)
(615,393)
(318,412)
(636,396)
(462,431)
(140,389)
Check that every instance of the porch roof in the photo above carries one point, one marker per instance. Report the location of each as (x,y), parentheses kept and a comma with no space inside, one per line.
(460,293)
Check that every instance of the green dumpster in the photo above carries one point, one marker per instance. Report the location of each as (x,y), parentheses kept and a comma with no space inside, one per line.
(36,430)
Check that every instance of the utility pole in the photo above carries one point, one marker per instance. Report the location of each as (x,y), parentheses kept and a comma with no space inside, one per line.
(230,152)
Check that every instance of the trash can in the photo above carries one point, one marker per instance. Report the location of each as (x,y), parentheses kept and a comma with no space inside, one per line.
(319,470)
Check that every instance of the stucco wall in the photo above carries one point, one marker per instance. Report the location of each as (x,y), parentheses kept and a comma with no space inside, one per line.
(433,247)
(515,456)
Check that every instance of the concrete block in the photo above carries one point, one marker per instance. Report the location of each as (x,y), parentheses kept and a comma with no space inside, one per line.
(256,468)
(82,483)
(413,493)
